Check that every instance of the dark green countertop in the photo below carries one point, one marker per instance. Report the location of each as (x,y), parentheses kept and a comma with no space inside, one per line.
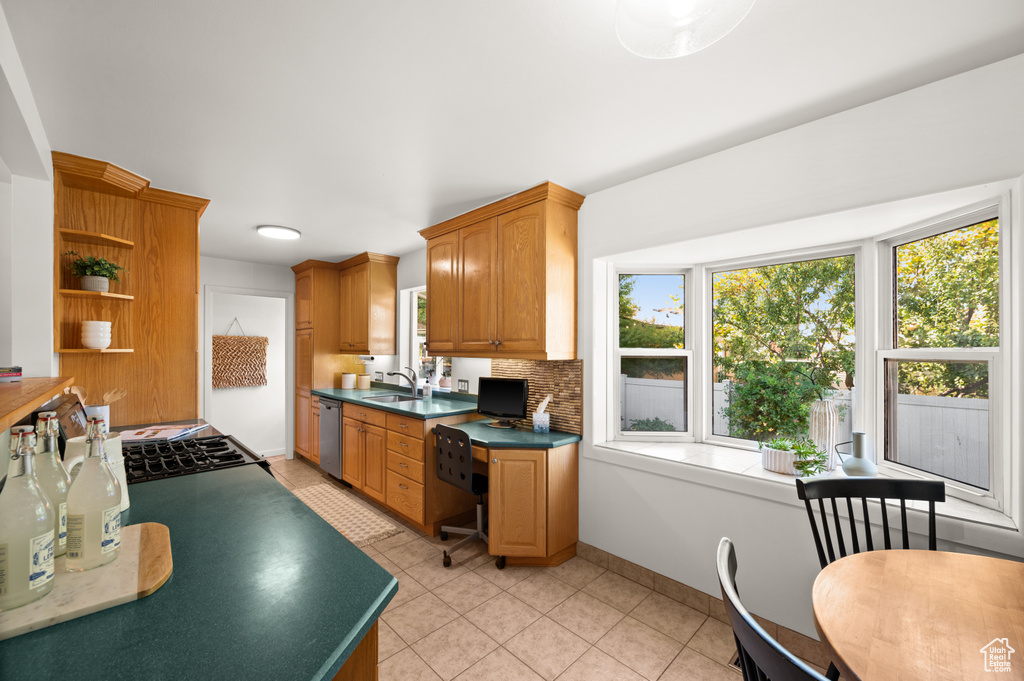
(262,588)
(485,436)
(427,408)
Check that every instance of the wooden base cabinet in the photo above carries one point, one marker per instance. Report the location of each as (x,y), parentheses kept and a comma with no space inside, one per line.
(534,504)
(390,458)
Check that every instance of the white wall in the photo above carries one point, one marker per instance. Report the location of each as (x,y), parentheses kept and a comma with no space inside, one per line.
(6,275)
(259,284)
(255,415)
(923,142)
(32,273)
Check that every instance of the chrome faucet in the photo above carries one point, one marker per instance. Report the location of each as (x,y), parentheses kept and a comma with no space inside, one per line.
(414,381)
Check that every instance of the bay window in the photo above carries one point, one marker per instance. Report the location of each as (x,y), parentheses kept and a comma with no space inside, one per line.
(915,323)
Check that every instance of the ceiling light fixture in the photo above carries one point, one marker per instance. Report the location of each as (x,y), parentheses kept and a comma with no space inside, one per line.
(278,232)
(665,29)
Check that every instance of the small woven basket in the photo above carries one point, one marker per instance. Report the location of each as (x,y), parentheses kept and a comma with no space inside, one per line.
(239,361)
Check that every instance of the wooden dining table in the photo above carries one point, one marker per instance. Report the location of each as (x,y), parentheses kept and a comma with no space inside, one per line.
(906,615)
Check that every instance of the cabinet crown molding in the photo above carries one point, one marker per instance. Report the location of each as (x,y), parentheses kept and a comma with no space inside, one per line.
(368,257)
(106,178)
(545,191)
(310,264)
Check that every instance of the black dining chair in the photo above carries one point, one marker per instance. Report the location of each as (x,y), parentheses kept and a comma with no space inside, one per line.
(455,466)
(761,656)
(882,489)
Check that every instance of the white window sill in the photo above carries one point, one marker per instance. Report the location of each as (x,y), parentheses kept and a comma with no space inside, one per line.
(740,471)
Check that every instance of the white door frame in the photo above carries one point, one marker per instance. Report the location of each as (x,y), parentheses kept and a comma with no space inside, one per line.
(289,354)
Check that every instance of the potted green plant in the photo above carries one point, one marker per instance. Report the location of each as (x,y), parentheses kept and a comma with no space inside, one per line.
(95,273)
(793,456)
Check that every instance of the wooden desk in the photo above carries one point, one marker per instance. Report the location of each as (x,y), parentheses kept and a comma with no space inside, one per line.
(901,615)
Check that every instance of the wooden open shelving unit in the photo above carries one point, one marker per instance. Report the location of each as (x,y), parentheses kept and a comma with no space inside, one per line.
(105,211)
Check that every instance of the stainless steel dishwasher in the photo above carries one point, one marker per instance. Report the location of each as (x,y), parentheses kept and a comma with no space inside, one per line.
(330,436)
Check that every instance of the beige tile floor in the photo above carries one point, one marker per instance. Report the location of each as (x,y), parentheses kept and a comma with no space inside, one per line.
(574,622)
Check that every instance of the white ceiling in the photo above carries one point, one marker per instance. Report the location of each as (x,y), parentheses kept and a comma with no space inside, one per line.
(360,123)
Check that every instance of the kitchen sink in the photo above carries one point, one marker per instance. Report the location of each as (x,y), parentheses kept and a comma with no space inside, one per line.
(392,398)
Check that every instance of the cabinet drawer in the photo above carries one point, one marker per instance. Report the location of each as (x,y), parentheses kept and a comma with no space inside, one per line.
(405,496)
(364,414)
(404,444)
(406,425)
(403,465)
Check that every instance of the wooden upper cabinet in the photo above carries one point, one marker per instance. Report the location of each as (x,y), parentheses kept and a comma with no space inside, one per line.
(369,298)
(514,292)
(478,271)
(442,288)
(521,281)
(304,300)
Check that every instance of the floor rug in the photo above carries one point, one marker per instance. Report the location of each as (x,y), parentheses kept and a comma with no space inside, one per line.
(345,514)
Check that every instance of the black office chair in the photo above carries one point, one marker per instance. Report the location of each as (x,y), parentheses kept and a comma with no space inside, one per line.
(761,656)
(864,489)
(455,466)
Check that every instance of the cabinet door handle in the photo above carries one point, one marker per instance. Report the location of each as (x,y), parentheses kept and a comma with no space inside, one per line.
(497,343)
(401,486)
(403,465)
(362,414)
(402,444)
(494,461)
(404,426)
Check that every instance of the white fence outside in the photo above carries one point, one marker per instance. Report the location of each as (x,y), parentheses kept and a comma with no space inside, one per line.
(650,398)
(945,435)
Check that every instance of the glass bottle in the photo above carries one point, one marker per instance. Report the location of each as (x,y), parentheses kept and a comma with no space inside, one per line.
(26,528)
(52,477)
(94,508)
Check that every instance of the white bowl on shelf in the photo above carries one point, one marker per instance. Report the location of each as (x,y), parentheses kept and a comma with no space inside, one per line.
(95,344)
(96,326)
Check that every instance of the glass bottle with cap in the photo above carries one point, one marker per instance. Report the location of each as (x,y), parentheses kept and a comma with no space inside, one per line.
(26,528)
(52,477)
(94,508)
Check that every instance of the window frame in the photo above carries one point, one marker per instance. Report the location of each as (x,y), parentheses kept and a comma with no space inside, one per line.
(1001,462)
(847,248)
(874,336)
(617,354)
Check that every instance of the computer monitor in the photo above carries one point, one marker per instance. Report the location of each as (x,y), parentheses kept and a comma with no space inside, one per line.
(503,399)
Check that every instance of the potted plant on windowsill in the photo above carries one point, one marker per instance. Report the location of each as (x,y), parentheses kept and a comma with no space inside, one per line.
(95,273)
(793,456)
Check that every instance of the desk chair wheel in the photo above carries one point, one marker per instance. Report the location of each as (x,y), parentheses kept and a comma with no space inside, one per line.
(444,536)
(500,563)
(447,560)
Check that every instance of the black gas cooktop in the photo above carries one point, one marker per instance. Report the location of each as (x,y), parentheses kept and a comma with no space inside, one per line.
(145,461)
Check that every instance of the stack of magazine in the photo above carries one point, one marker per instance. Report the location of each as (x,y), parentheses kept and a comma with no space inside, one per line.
(162,433)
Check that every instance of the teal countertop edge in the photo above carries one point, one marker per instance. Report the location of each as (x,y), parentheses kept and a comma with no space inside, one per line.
(437,406)
(262,588)
(485,436)
(432,407)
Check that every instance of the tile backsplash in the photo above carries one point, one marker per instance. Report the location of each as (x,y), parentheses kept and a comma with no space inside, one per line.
(563,380)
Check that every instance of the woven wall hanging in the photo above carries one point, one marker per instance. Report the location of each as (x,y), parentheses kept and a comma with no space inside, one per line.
(239,361)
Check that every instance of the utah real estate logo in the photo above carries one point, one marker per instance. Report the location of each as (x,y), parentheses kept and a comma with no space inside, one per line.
(997,655)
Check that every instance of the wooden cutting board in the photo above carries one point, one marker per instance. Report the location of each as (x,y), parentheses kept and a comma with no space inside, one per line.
(142,567)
